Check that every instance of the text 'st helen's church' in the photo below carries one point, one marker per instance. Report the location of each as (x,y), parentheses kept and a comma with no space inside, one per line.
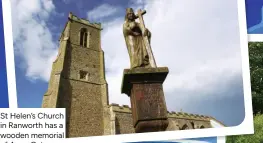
(78,83)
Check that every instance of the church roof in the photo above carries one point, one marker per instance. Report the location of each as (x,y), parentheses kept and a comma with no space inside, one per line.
(181,115)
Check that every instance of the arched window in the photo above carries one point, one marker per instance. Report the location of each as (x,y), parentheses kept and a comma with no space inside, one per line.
(193,125)
(185,127)
(202,127)
(84,37)
(117,126)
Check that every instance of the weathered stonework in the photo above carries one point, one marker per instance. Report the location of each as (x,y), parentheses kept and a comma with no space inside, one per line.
(177,120)
(145,89)
(77,83)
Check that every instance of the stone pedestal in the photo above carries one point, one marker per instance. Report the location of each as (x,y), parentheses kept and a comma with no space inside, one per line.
(144,87)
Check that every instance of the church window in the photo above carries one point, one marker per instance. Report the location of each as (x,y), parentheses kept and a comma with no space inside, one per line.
(185,127)
(83,75)
(117,126)
(193,125)
(84,37)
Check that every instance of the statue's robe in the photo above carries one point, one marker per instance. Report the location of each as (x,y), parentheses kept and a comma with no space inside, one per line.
(135,45)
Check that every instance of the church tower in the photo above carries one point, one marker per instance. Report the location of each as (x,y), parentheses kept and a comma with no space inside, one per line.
(77,80)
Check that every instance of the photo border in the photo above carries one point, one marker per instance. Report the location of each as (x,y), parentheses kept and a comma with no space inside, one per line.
(255,37)
(218,140)
(246,127)
(9,52)
(221,139)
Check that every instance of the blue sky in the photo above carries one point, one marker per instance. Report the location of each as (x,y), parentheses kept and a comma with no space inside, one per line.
(210,139)
(30,89)
(200,46)
(3,84)
(254,10)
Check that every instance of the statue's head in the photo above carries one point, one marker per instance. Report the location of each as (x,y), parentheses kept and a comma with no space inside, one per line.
(130,14)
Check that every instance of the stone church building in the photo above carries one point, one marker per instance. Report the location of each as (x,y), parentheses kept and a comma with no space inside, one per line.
(78,83)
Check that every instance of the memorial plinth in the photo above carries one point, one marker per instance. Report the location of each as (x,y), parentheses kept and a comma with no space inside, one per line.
(144,86)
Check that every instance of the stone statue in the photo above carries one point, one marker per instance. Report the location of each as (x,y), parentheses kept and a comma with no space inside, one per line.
(137,39)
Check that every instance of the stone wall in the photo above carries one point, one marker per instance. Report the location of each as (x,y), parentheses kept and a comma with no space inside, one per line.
(84,108)
(51,97)
(78,82)
(94,34)
(123,119)
(177,120)
(185,121)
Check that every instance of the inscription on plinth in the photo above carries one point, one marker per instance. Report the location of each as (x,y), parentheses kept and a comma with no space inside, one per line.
(148,102)
(144,86)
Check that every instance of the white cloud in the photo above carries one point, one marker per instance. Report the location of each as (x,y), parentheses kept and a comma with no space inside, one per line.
(102,11)
(32,37)
(197,41)
(66,1)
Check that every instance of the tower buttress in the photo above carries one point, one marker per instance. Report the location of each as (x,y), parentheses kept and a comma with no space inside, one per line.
(77,80)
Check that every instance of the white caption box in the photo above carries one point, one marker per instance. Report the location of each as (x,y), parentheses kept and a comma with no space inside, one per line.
(33,125)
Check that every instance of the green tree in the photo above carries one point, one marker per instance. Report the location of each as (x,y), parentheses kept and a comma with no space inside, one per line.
(256,74)
(257,137)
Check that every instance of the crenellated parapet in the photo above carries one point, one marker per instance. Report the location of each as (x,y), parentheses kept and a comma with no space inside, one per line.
(172,114)
(123,108)
(84,21)
(184,115)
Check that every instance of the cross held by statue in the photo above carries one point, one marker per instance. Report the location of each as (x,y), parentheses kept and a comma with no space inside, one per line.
(145,38)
